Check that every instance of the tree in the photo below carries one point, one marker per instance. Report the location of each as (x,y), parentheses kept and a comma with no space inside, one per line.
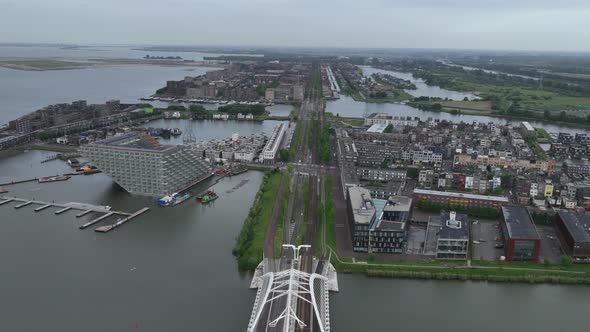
(466,99)
(388,129)
(412,173)
(284,155)
(566,261)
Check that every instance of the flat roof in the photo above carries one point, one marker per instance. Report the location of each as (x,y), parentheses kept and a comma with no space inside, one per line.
(362,205)
(134,141)
(527,126)
(377,128)
(501,199)
(399,206)
(577,224)
(519,223)
(447,232)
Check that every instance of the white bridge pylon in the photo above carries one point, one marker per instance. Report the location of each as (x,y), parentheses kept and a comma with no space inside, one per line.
(290,284)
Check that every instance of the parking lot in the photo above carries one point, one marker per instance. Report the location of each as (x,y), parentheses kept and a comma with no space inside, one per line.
(485,236)
(416,235)
(550,245)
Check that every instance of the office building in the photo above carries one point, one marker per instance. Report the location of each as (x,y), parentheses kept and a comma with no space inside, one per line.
(521,239)
(453,236)
(574,231)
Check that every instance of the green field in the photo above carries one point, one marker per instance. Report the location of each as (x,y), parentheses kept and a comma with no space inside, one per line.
(250,243)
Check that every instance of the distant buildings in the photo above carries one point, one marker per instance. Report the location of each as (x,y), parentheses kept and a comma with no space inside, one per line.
(140,165)
(453,236)
(521,239)
(269,153)
(386,119)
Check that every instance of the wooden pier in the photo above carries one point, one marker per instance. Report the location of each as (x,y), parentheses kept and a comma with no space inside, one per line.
(83,207)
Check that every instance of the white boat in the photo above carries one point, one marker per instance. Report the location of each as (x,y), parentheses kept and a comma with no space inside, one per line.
(173,199)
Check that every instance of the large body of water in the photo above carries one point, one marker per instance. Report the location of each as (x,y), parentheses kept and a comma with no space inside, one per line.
(172,269)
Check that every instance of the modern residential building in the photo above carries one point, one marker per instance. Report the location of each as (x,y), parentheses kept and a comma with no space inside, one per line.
(141,165)
(380,174)
(521,239)
(386,119)
(463,199)
(574,231)
(271,148)
(453,236)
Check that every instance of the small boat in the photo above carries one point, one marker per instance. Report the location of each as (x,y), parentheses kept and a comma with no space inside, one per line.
(54,178)
(74,163)
(207,197)
(174,199)
(176,132)
(3,190)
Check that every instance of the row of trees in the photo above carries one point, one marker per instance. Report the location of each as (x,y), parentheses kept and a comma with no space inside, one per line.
(430,206)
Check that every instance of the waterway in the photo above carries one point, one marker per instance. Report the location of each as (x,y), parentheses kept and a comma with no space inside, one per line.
(422,89)
(213,129)
(346,106)
(370,304)
(22,92)
(169,270)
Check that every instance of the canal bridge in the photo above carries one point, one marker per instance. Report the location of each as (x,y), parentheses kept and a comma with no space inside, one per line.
(289,296)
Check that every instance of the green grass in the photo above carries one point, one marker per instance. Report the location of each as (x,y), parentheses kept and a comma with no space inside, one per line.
(295,141)
(278,240)
(301,230)
(330,214)
(250,243)
(543,136)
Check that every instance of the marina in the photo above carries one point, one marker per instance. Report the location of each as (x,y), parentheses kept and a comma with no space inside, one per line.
(84,207)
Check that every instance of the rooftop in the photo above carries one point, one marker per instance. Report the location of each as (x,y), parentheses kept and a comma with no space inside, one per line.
(393,213)
(377,128)
(500,199)
(456,228)
(519,223)
(577,224)
(135,141)
(362,205)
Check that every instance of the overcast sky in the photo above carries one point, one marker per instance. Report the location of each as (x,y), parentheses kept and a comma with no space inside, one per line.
(476,24)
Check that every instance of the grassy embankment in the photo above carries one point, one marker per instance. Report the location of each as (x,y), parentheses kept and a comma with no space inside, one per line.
(295,141)
(249,246)
(278,240)
(302,229)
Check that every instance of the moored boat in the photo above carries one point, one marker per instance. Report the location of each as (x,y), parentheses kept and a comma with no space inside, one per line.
(207,197)
(173,199)
(54,178)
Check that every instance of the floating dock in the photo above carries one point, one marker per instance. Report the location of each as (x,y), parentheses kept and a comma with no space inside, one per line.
(94,221)
(43,207)
(83,207)
(23,204)
(67,208)
(108,228)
